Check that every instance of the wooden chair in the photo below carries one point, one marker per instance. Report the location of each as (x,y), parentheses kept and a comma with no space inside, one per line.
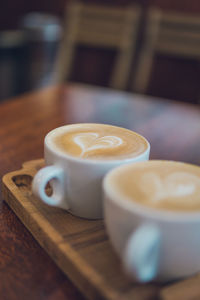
(100,26)
(169,34)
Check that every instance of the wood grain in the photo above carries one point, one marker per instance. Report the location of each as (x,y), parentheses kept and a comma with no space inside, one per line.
(172,128)
(184,290)
(80,247)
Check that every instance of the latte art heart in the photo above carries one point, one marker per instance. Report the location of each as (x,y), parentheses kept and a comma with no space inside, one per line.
(177,184)
(91,142)
(99,142)
(158,184)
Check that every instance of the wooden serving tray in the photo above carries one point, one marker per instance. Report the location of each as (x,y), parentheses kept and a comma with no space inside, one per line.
(81,247)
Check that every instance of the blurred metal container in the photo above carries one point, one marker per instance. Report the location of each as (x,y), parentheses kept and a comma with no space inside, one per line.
(43,34)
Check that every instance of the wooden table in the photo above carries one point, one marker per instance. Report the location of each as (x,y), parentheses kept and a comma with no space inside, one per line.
(173,129)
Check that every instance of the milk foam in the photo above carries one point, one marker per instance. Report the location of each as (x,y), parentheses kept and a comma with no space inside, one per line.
(175,185)
(92,141)
(165,185)
(98,142)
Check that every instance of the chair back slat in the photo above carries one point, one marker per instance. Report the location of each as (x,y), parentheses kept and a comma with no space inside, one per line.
(104,27)
(170,34)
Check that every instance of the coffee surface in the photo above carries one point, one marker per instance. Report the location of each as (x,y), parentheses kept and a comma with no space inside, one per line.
(99,141)
(164,185)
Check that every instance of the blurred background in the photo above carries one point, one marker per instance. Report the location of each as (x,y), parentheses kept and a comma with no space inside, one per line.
(146,46)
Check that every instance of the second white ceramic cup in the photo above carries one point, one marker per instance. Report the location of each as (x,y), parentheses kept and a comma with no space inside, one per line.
(152,244)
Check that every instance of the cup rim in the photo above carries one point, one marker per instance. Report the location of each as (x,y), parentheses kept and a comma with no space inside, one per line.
(135,208)
(60,153)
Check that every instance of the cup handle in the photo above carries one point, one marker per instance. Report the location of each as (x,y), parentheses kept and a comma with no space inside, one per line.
(142,252)
(40,181)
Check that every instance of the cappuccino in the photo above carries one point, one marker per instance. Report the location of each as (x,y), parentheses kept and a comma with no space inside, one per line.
(163,185)
(77,157)
(98,142)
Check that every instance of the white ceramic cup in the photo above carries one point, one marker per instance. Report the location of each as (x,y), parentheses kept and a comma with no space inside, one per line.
(153,244)
(76,182)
